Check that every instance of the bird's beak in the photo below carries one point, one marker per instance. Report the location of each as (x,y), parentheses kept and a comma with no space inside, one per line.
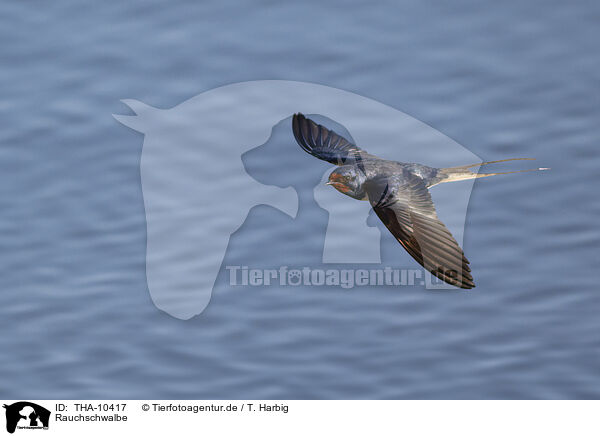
(329,183)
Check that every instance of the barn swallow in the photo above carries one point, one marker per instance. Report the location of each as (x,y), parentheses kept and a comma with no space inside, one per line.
(399,194)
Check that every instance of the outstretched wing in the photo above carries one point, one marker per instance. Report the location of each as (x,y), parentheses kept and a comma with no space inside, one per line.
(325,144)
(408,212)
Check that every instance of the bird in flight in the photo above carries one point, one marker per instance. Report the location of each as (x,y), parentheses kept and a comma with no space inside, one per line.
(399,194)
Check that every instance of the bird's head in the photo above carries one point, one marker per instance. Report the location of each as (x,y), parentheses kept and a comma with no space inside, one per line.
(348,180)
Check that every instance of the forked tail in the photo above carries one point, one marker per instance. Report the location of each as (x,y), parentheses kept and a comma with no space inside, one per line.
(455,174)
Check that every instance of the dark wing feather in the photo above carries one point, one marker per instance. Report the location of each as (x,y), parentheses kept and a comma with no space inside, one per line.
(408,212)
(325,144)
